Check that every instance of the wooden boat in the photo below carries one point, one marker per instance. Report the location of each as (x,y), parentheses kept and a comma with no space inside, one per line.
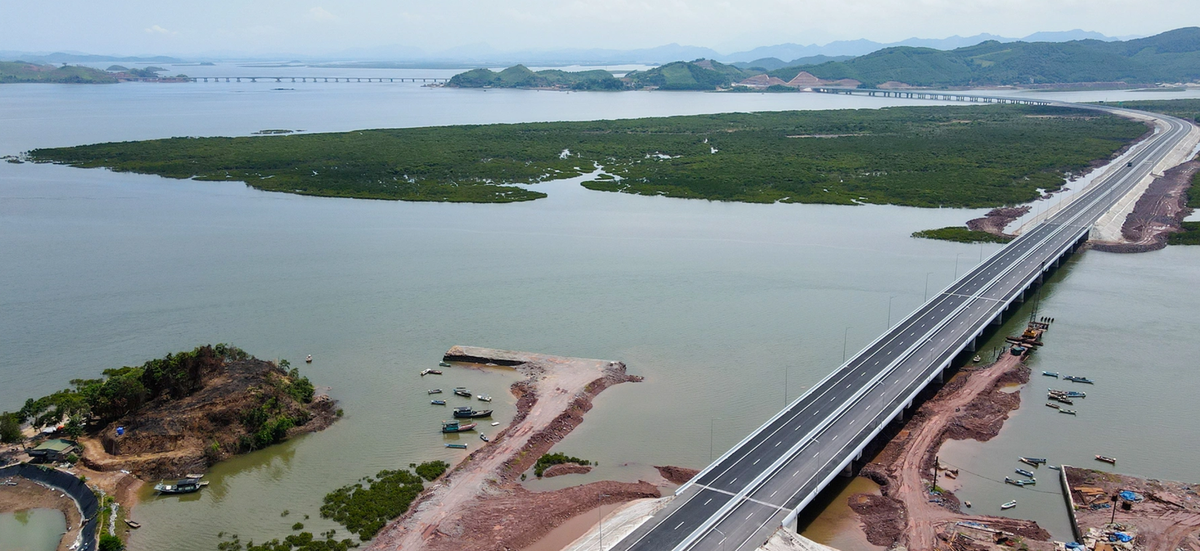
(1075,394)
(308,360)
(976,359)
(443,364)
(454,426)
(466,412)
(1035,461)
(484,438)
(495,423)
(430,372)
(462,391)
(1024,472)
(183,486)
(1009,505)
(435,391)
(437,402)
(1049,405)
(1055,467)
(1107,459)
(1075,379)
(967,503)
(194,476)
(1067,411)
(1012,481)
(1062,399)
(1050,374)
(483,398)
(457,446)
(1027,482)
(133,524)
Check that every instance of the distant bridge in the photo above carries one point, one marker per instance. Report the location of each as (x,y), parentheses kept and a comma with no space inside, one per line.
(317,79)
(926,94)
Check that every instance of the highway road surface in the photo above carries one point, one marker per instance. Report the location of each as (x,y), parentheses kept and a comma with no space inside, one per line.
(745,495)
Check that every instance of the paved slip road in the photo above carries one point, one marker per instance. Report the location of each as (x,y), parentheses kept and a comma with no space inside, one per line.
(742,498)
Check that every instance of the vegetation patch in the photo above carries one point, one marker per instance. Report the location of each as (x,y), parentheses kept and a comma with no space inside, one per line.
(1186,109)
(961,234)
(1190,235)
(364,508)
(20,71)
(550,459)
(968,156)
(520,76)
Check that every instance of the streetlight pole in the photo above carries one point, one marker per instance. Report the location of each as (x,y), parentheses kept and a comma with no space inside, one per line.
(711,423)
(600,527)
(956,265)
(927,274)
(785,389)
(845,336)
(890,311)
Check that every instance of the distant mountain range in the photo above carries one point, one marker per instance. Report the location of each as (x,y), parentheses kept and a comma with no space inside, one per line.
(476,55)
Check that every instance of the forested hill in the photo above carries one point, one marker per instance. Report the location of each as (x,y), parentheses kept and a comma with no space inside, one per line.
(19,71)
(1173,56)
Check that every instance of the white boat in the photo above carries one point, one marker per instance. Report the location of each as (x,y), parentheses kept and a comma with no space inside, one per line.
(1009,505)
(308,360)
(495,423)
(483,398)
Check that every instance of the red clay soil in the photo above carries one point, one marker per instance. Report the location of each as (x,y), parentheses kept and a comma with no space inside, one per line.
(480,505)
(677,475)
(1157,213)
(972,405)
(566,468)
(1166,519)
(996,220)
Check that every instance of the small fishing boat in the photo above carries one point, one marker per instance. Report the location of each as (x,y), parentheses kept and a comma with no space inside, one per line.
(183,486)
(457,446)
(1075,394)
(462,391)
(1009,505)
(976,359)
(483,398)
(1035,461)
(1107,459)
(133,524)
(951,474)
(495,423)
(443,364)
(1075,379)
(1063,399)
(308,360)
(437,402)
(435,391)
(1056,467)
(454,426)
(967,503)
(1066,411)
(467,412)
(430,372)
(1027,482)
(1024,472)
(1050,374)
(484,438)
(194,476)
(1012,481)
(1049,405)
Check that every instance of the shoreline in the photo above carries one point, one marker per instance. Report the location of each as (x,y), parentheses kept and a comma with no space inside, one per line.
(480,504)
(28,494)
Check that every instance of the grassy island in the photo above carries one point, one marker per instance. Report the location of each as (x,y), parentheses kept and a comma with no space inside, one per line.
(970,156)
(19,71)
(961,234)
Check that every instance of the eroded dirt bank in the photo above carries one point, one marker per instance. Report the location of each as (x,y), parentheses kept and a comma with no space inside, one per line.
(1157,213)
(480,505)
(1161,516)
(972,405)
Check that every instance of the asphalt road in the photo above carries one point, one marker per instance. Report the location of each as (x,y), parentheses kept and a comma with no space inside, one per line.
(743,497)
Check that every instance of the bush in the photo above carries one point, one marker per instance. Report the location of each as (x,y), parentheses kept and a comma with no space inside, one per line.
(546,461)
(109,542)
(10,428)
(430,470)
(364,510)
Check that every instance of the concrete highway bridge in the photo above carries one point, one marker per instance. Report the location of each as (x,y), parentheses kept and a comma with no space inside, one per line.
(762,483)
(928,94)
(318,79)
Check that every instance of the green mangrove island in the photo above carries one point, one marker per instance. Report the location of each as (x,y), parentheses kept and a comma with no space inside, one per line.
(969,156)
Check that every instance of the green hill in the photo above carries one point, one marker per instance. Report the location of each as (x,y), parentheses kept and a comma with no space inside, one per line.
(20,71)
(702,74)
(1173,56)
(520,76)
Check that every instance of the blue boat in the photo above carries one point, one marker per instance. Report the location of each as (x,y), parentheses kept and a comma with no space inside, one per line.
(1075,379)
(1074,394)
(437,402)
(1050,374)
(1035,461)
(457,446)
(1025,473)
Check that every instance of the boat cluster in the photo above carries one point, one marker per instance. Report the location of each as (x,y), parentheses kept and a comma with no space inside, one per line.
(1066,397)
(460,412)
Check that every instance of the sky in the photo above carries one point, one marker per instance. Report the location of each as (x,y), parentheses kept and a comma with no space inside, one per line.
(326,27)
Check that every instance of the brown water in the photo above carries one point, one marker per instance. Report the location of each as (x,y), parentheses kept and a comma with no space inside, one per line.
(573,528)
(838,525)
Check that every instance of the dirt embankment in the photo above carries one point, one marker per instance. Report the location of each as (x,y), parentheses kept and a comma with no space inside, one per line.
(30,495)
(170,438)
(1163,516)
(566,468)
(677,475)
(480,505)
(971,405)
(1157,213)
(997,219)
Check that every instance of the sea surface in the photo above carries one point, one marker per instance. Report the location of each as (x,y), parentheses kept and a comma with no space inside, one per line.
(728,310)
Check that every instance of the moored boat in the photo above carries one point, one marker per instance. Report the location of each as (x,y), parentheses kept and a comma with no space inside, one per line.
(467,412)
(1024,472)
(495,423)
(308,360)
(1055,467)
(483,398)
(437,402)
(454,426)
(457,446)
(1076,394)
(1066,411)
(1027,482)
(1012,481)
(976,359)
(1050,374)
(435,391)
(1009,505)
(1049,405)
(430,372)
(462,391)
(1035,461)
(1107,459)
(183,486)
(133,524)
(1062,399)
(1075,379)
(484,438)
(443,364)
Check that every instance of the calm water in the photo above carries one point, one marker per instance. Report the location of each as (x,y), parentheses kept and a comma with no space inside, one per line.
(31,530)
(715,304)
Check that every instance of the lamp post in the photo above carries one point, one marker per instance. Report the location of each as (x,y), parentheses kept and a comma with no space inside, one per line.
(845,336)
(600,527)
(711,423)
(890,311)
(956,256)
(927,274)
(785,389)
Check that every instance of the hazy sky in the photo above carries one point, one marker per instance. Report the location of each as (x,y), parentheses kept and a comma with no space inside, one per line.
(325,26)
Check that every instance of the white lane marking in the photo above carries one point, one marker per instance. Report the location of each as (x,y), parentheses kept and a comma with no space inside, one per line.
(678,525)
